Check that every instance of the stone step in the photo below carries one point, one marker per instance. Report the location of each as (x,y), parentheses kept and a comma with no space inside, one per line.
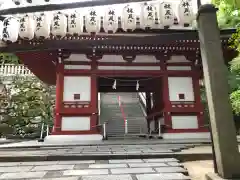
(111,111)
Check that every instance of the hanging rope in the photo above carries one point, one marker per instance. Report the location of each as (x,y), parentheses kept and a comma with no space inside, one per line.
(128,80)
(114,86)
(137,86)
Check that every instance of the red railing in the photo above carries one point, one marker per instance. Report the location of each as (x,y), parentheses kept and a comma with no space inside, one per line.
(123,114)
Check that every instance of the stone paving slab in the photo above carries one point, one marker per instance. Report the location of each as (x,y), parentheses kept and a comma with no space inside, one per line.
(87,151)
(77,162)
(94,170)
(6,141)
(102,166)
(126,161)
(85,172)
(52,167)
(131,170)
(135,165)
(181,156)
(72,153)
(15,169)
(36,144)
(161,160)
(171,170)
(22,175)
(109,177)
(62,178)
(164,176)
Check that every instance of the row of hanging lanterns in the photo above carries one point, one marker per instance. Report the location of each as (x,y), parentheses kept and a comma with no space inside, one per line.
(71,22)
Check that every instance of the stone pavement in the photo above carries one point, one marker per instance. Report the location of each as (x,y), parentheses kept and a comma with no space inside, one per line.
(128,141)
(35,143)
(4,141)
(125,169)
(91,152)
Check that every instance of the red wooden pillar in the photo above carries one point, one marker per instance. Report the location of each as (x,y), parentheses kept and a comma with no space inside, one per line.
(148,108)
(59,97)
(198,103)
(94,104)
(155,107)
(166,100)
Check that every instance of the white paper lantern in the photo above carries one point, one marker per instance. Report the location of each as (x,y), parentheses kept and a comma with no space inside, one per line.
(75,23)
(129,18)
(185,12)
(1,30)
(110,22)
(27,27)
(148,15)
(93,21)
(59,24)
(43,23)
(10,29)
(166,14)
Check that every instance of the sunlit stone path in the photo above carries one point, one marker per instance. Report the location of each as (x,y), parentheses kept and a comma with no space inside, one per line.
(124,169)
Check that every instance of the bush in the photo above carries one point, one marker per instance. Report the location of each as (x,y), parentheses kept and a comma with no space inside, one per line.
(30,104)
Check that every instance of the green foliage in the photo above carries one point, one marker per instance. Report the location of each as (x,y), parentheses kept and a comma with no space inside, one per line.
(228,15)
(30,104)
(8,58)
(234,81)
(235,100)
(205,105)
(234,3)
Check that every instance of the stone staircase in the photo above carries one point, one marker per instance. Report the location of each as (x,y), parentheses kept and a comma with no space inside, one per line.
(111,113)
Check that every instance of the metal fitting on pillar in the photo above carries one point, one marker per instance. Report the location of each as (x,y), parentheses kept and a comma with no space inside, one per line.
(59,56)
(159,127)
(126,126)
(104,131)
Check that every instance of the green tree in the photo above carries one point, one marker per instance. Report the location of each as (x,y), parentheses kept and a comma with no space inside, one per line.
(4,101)
(8,58)
(228,14)
(229,17)
(30,104)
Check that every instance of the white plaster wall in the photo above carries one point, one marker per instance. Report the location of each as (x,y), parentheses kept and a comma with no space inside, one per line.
(111,58)
(180,85)
(118,58)
(77,85)
(180,68)
(75,123)
(197,135)
(78,57)
(138,59)
(145,59)
(72,139)
(176,59)
(184,122)
(88,67)
(127,68)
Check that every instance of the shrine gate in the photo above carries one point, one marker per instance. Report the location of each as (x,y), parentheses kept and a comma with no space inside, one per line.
(84,51)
